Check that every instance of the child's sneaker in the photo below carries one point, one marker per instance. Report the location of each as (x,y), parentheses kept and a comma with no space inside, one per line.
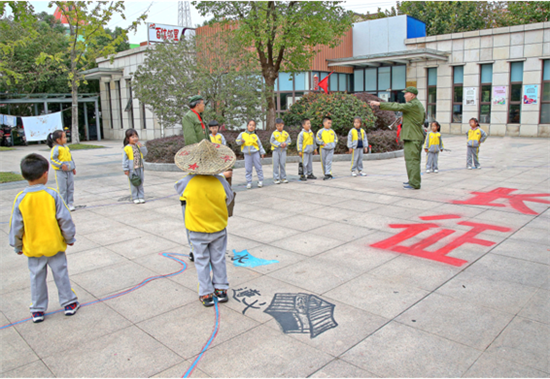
(469,167)
(72,208)
(311,176)
(285,181)
(72,308)
(326,177)
(221,295)
(330,176)
(260,184)
(191,257)
(207,300)
(136,201)
(276,182)
(353,173)
(37,317)
(428,170)
(142,201)
(249,186)
(436,171)
(303,178)
(362,173)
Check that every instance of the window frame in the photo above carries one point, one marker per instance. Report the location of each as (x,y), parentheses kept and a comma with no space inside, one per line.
(453,103)
(510,94)
(481,102)
(118,84)
(543,83)
(428,86)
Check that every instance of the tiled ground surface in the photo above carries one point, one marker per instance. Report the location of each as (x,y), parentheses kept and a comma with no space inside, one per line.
(397,315)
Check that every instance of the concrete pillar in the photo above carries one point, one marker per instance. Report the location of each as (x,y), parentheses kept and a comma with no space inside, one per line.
(97,121)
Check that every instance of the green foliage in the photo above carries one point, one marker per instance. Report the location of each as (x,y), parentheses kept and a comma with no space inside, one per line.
(4,148)
(80,146)
(173,72)
(526,12)
(279,35)
(6,177)
(342,108)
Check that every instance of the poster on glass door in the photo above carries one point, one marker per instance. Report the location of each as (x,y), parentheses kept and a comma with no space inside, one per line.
(499,95)
(470,97)
(530,94)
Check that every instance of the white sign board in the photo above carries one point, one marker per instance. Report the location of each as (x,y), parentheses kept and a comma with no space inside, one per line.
(161,33)
(37,128)
(470,96)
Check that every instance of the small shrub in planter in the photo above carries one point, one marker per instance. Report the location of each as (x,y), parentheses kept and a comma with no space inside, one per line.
(383,118)
(162,150)
(382,141)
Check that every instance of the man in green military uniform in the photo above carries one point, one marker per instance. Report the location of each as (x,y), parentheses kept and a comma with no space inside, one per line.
(194,129)
(411,133)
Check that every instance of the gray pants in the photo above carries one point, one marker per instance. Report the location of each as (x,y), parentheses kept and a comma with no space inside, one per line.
(279,163)
(137,192)
(472,159)
(187,230)
(251,160)
(432,161)
(326,160)
(357,160)
(307,162)
(65,185)
(39,289)
(209,250)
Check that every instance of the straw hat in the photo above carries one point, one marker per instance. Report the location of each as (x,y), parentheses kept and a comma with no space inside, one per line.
(205,158)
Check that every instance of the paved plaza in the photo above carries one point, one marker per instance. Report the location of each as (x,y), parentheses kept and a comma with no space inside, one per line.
(351,277)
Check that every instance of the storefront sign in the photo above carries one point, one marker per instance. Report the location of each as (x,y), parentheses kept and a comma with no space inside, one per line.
(161,33)
(499,95)
(470,97)
(530,94)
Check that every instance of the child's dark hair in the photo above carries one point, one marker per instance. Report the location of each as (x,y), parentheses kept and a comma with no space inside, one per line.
(128,134)
(279,121)
(437,124)
(53,137)
(475,119)
(304,121)
(358,118)
(33,166)
(249,121)
(326,118)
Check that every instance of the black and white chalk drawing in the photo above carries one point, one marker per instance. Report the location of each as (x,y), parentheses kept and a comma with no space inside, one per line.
(242,294)
(302,313)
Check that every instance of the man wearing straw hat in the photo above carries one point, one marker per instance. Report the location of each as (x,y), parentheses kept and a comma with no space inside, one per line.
(205,195)
(194,129)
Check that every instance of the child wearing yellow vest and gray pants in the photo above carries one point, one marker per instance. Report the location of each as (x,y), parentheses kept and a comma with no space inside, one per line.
(306,146)
(252,148)
(63,166)
(132,163)
(357,143)
(432,146)
(41,227)
(327,141)
(280,140)
(476,136)
(206,194)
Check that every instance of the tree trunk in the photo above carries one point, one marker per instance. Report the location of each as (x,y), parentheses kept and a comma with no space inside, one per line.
(75,136)
(271,106)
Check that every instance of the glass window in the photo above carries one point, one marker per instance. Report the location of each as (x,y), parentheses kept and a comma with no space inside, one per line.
(486,73)
(458,74)
(276,84)
(457,98)
(432,95)
(516,72)
(515,94)
(285,97)
(285,81)
(341,82)
(432,76)
(384,81)
(358,80)
(300,81)
(333,82)
(545,101)
(349,80)
(546,75)
(323,75)
(514,114)
(370,79)
(399,77)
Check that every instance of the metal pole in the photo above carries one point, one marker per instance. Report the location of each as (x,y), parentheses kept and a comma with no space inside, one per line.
(45,107)
(87,135)
(97,122)
(9,110)
(36,109)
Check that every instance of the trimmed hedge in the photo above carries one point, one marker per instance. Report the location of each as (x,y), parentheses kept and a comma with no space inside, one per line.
(383,118)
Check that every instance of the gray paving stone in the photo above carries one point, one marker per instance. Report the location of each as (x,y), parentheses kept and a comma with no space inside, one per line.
(301,222)
(306,243)
(15,351)
(178,371)
(92,259)
(538,308)
(285,258)
(144,244)
(529,251)
(127,353)
(342,232)
(488,366)
(274,355)
(459,321)
(533,235)
(341,369)
(35,369)
(400,351)
(266,233)
(525,342)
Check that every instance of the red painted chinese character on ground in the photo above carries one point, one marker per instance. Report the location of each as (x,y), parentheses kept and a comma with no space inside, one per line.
(439,255)
(516,201)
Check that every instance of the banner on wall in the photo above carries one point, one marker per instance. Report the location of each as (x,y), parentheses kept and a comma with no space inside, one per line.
(499,95)
(37,128)
(470,97)
(530,94)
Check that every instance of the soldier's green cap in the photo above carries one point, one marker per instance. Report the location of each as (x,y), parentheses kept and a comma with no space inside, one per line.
(412,90)
(195,98)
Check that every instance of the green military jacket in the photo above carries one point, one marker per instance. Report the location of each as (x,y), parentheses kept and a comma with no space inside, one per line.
(192,129)
(413,118)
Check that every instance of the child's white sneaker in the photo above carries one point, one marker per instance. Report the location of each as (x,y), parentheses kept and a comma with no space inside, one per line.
(249,186)
(285,181)
(136,201)
(142,201)
(260,184)
(428,170)
(354,174)
(276,182)
(362,173)
(71,207)
(436,171)
(469,167)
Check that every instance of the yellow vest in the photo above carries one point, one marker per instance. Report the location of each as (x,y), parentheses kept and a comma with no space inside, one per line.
(42,236)
(307,139)
(216,139)
(64,155)
(205,209)
(434,139)
(474,134)
(280,137)
(130,152)
(250,140)
(328,136)
(355,136)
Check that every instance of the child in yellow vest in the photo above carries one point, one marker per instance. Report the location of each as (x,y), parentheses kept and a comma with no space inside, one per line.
(432,146)
(216,137)
(132,164)
(63,166)
(307,147)
(327,141)
(205,195)
(476,136)
(357,143)
(280,140)
(252,148)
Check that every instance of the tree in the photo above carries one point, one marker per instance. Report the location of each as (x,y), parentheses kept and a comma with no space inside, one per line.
(173,72)
(526,12)
(279,35)
(87,34)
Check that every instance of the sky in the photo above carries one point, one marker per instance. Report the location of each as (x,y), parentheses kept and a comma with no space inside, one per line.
(166,12)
